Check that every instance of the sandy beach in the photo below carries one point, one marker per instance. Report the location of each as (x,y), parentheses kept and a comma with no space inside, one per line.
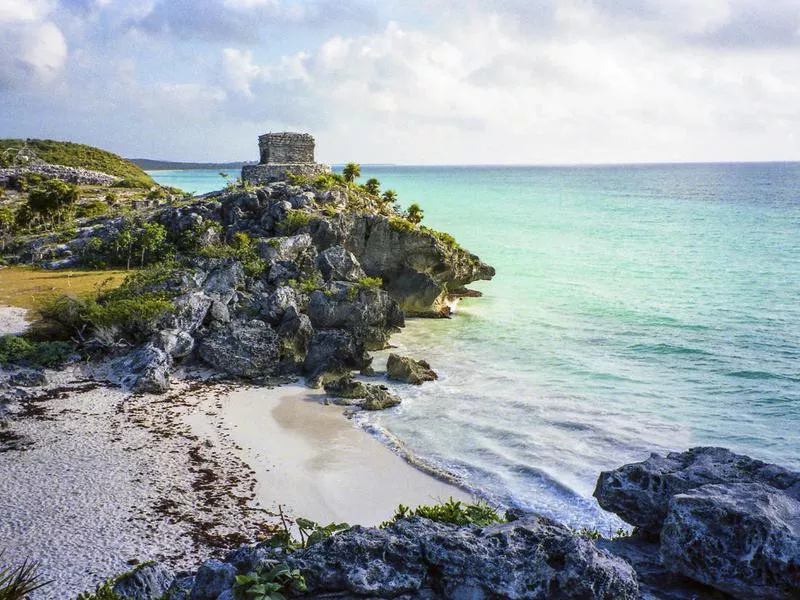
(106,478)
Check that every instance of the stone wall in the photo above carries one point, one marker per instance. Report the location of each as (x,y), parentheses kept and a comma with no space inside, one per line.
(263,174)
(283,148)
(69,174)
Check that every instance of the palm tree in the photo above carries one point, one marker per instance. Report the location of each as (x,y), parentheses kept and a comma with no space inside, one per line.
(351,172)
(372,186)
(414,214)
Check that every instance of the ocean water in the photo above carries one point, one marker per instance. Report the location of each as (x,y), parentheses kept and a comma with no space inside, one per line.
(635,309)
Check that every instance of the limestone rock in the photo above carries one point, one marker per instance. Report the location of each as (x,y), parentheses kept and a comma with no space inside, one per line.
(368,313)
(175,342)
(28,378)
(742,538)
(379,398)
(147,582)
(144,370)
(640,492)
(212,579)
(530,558)
(408,370)
(333,352)
(345,387)
(337,263)
(247,350)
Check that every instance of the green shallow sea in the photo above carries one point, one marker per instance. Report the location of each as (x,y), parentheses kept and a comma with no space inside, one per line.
(635,309)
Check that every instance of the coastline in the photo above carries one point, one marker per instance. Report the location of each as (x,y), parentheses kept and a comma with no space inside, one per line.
(132,477)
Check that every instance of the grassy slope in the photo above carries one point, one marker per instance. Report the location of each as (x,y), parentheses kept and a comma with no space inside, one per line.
(80,155)
(27,287)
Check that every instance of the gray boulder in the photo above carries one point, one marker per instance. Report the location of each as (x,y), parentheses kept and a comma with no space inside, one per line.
(144,370)
(379,398)
(417,558)
(274,305)
(333,353)
(147,582)
(369,313)
(345,387)
(640,492)
(741,538)
(294,335)
(337,263)
(176,343)
(28,378)
(189,312)
(225,280)
(247,350)
(408,370)
(212,579)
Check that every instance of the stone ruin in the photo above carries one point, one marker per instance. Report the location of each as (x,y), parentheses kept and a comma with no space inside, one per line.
(282,153)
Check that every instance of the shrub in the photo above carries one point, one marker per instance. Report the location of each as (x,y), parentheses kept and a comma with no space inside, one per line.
(93,208)
(296,179)
(452,511)
(104,591)
(446,239)
(17,583)
(328,181)
(134,181)
(15,349)
(401,224)
(293,222)
(51,196)
(310,532)
(272,584)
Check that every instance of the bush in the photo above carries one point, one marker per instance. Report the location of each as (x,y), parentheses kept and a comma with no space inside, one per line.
(104,591)
(328,181)
(272,584)
(93,208)
(294,221)
(446,239)
(15,349)
(453,511)
(372,186)
(401,224)
(51,196)
(134,181)
(414,214)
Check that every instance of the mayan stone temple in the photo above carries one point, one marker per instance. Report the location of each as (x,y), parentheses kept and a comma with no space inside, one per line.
(282,153)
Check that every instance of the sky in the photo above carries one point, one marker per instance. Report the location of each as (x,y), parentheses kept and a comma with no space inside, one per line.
(412,82)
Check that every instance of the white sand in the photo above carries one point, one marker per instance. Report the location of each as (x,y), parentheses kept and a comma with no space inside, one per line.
(82,500)
(12,320)
(311,459)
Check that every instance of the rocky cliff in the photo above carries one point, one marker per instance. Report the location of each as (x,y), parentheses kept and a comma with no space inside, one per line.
(264,282)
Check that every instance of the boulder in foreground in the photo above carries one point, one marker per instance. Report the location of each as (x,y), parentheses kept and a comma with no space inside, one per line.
(408,370)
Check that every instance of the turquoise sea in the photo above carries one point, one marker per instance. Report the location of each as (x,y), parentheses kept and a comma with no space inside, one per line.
(635,309)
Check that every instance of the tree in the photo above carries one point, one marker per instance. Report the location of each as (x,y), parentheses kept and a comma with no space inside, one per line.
(414,214)
(6,225)
(151,239)
(389,197)
(373,186)
(51,196)
(125,241)
(351,172)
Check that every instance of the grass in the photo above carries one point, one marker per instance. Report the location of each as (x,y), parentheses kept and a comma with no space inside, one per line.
(16,583)
(79,155)
(27,287)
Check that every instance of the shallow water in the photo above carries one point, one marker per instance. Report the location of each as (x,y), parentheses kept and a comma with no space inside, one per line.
(635,309)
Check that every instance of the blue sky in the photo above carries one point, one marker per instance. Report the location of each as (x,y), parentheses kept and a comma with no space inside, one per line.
(417,82)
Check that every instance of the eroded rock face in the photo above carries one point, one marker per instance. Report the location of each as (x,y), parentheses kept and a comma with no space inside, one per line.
(408,370)
(145,583)
(333,353)
(247,350)
(531,558)
(337,263)
(742,538)
(145,370)
(640,492)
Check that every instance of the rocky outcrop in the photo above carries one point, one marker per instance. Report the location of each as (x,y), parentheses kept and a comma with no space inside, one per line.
(533,558)
(148,581)
(714,517)
(68,174)
(248,350)
(741,538)
(144,370)
(640,493)
(408,370)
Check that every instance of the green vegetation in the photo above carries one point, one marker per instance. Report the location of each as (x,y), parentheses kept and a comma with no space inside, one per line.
(414,214)
(351,172)
(51,196)
(294,221)
(594,534)
(272,584)
(93,208)
(306,285)
(401,224)
(452,511)
(365,283)
(20,350)
(104,591)
(372,186)
(310,533)
(17,583)
(241,248)
(79,155)
(446,239)
(296,179)
(329,181)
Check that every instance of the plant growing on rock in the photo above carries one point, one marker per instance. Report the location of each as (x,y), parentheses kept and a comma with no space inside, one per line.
(452,511)
(414,214)
(310,532)
(293,222)
(17,349)
(372,186)
(272,584)
(351,172)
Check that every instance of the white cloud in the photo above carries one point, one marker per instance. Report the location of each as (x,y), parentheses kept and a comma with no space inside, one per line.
(24,10)
(30,53)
